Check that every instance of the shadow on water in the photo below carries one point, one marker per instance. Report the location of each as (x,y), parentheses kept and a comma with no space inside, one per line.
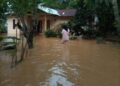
(10,57)
(15,56)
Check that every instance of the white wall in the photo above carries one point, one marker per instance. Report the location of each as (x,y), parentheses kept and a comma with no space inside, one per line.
(10,30)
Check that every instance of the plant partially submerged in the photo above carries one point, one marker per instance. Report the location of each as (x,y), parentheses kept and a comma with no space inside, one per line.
(6,45)
(50,33)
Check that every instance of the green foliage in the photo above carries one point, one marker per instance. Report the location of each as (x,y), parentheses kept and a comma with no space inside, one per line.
(84,17)
(50,33)
(3,9)
(22,7)
(86,12)
(58,32)
(1,38)
(7,43)
(13,41)
(100,40)
(2,29)
(118,1)
(61,4)
(106,18)
(89,33)
(53,4)
(73,37)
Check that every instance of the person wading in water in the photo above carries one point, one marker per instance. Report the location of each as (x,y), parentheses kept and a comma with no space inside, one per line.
(65,34)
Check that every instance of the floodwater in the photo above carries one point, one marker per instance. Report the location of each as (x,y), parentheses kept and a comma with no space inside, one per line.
(76,63)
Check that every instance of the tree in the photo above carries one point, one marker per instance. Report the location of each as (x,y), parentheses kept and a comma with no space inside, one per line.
(61,4)
(106,11)
(116,8)
(83,18)
(116,14)
(58,4)
(106,17)
(22,9)
(26,13)
(3,9)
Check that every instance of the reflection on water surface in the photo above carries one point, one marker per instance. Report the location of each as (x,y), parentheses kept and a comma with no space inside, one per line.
(77,63)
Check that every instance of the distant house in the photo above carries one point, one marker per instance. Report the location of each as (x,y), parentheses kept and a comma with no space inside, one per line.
(48,19)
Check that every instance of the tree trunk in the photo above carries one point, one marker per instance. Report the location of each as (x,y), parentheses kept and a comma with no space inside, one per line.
(28,31)
(30,39)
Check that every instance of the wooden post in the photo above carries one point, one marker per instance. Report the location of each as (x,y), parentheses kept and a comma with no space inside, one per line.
(45,23)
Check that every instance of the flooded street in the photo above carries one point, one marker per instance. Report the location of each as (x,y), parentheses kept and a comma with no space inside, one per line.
(77,63)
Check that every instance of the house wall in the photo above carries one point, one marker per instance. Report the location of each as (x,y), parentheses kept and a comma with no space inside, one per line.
(10,30)
(55,21)
(58,21)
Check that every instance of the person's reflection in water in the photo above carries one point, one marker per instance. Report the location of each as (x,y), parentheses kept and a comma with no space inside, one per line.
(65,53)
(58,72)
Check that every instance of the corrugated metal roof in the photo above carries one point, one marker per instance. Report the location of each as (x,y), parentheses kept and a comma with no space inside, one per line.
(64,12)
(48,10)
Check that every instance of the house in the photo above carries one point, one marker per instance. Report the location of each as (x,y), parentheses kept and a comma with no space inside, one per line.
(48,19)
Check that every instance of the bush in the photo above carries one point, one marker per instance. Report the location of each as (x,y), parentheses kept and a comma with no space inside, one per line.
(73,37)
(50,33)
(89,33)
(1,38)
(3,30)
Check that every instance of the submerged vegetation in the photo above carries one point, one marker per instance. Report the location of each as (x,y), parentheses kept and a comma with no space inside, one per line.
(8,42)
(50,33)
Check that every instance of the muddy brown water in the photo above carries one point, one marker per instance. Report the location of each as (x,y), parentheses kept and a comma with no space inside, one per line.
(77,63)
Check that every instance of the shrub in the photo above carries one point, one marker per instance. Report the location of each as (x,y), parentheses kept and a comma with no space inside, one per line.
(73,37)
(1,38)
(3,30)
(50,33)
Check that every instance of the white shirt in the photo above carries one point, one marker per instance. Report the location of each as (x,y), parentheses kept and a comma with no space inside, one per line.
(65,34)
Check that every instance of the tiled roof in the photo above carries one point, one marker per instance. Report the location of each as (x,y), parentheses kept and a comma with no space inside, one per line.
(67,12)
